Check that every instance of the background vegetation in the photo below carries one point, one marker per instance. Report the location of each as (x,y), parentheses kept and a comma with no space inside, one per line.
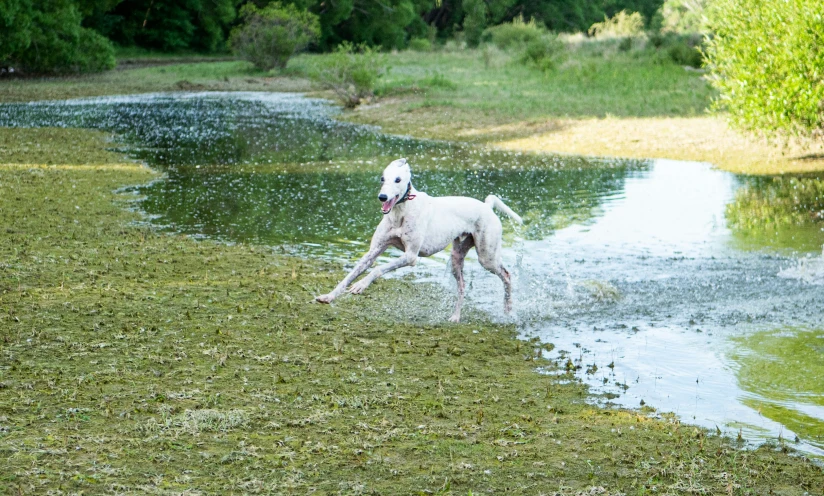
(54,36)
(768,64)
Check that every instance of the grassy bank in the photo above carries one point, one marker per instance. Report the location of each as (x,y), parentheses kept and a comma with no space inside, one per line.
(151,75)
(599,101)
(135,361)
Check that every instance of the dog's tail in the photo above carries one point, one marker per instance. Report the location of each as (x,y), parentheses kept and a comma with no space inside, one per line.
(495,202)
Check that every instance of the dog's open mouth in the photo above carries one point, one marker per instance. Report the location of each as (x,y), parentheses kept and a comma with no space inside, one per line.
(388,204)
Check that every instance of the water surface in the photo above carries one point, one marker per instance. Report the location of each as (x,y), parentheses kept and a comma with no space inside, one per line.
(690,289)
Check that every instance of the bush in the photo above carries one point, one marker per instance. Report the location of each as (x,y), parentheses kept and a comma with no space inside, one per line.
(683,16)
(438,81)
(165,25)
(621,24)
(474,22)
(684,54)
(351,72)
(768,64)
(47,38)
(269,37)
(515,34)
(543,52)
(683,49)
(420,45)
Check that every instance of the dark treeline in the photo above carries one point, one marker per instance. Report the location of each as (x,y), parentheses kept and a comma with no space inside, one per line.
(71,35)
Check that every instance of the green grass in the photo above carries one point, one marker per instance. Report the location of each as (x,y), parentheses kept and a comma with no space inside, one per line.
(490,87)
(135,53)
(136,361)
(196,76)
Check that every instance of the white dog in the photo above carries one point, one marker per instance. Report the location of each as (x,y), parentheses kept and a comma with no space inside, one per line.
(422,225)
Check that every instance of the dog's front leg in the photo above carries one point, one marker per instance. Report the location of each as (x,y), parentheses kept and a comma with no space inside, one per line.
(364,263)
(409,257)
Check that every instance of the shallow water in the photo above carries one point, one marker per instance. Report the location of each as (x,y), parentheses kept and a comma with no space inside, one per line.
(690,289)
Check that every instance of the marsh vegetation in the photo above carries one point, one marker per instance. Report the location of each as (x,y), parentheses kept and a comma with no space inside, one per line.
(135,360)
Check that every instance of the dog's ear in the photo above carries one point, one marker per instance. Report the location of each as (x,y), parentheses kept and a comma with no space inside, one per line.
(402,162)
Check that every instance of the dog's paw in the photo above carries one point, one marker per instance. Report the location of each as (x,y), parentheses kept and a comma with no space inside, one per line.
(358,287)
(327,298)
(455,318)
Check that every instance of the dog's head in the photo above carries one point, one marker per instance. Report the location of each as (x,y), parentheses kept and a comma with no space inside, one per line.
(395,181)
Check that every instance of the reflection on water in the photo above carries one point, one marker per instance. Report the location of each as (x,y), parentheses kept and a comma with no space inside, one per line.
(659,280)
(779,212)
(275,168)
(782,375)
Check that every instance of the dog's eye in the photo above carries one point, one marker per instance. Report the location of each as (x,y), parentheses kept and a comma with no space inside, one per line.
(397,179)
(381,179)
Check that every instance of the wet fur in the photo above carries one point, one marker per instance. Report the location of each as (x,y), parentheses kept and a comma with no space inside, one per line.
(426,225)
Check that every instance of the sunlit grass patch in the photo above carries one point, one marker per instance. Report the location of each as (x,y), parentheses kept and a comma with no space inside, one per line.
(197,421)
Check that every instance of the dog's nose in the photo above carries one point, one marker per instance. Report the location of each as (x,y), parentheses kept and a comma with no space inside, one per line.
(382,197)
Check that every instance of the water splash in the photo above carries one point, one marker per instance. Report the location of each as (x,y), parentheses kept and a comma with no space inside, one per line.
(808,269)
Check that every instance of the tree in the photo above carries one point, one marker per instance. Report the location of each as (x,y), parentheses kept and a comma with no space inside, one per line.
(767,59)
(269,37)
(475,21)
(167,25)
(46,36)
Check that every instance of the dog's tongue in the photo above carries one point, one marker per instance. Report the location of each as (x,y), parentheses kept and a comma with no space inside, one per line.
(387,205)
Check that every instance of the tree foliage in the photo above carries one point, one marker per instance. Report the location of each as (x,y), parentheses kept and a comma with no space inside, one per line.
(621,24)
(767,58)
(683,16)
(46,36)
(73,35)
(475,21)
(167,25)
(268,37)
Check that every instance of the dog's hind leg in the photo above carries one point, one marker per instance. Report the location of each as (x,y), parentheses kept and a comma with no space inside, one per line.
(500,271)
(489,256)
(460,247)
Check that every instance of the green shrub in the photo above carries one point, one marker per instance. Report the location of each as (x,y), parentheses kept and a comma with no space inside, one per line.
(438,81)
(269,37)
(683,16)
(514,34)
(684,54)
(351,72)
(625,44)
(165,25)
(768,64)
(420,45)
(683,49)
(621,24)
(474,22)
(47,38)
(543,52)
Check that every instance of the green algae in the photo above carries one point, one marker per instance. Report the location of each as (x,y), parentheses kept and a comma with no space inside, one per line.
(783,372)
(138,361)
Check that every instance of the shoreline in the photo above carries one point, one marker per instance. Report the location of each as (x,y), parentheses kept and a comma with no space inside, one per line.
(697,139)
